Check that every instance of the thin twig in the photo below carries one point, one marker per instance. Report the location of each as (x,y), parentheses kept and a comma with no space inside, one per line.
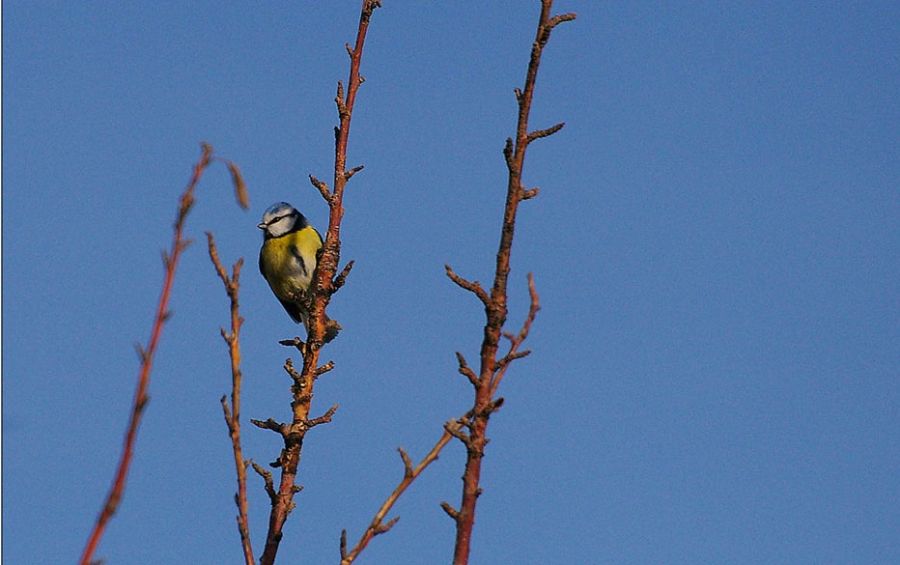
(472,286)
(114,496)
(232,413)
(517,340)
(465,370)
(377,525)
(267,479)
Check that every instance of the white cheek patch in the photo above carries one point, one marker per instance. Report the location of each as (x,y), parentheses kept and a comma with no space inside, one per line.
(281,227)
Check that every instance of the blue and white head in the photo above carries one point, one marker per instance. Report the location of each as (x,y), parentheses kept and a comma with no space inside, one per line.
(281,218)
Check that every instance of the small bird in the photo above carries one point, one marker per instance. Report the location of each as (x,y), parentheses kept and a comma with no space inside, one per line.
(287,261)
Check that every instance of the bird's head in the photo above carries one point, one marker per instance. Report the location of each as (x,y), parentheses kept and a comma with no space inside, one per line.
(279,219)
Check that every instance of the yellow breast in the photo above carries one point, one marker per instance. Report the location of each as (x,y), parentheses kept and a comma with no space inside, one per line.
(288,262)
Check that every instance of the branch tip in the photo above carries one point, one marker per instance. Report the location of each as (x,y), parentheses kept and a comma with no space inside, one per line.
(561,18)
(384,528)
(465,370)
(322,187)
(472,286)
(349,174)
(453,428)
(267,480)
(324,368)
(342,276)
(530,193)
(508,152)
(294,342)
(240,187)
(290,370)
(323,419)
(538,134)
(270,424)
(452,512)
(407,463)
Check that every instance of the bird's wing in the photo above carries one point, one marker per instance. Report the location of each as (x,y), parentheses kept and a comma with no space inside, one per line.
(295,251)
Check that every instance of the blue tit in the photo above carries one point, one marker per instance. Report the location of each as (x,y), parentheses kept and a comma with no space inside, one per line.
(287,261)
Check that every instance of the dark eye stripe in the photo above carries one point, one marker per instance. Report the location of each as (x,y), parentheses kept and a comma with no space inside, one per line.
(278,219)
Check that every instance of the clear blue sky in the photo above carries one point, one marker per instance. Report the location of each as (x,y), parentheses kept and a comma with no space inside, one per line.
(715,368)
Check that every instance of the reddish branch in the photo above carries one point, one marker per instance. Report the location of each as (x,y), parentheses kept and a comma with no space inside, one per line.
(378,526)
(170,261)
(492,369)
(324,286)
(232,412)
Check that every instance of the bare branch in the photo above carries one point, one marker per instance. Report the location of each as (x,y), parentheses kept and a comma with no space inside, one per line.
(267,478)
(224,402)
(471,286)
(530,193)
(170,260)
(410,473)
(453,428)
(407,463)
(270,424)
(517,340)
(141,353)
(322,187)
(324,368)
(452,512)
(323,419)
(232,413)
(342,277)
(349,174)
(295,376)
(508,147)
(322,290)
(556,20)
(492,370)
(510,357)
(294,342)
(537,134)
(465,370)
(240,187)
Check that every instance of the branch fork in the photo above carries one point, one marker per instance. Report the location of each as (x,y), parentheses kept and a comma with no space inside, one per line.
(472,429)
(472,286)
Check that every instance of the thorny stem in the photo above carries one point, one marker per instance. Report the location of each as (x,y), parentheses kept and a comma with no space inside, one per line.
(140,396)
(491,370)
(323,289)
(232,413)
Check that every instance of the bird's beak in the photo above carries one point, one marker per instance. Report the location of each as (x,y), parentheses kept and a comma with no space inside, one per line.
(261,226)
